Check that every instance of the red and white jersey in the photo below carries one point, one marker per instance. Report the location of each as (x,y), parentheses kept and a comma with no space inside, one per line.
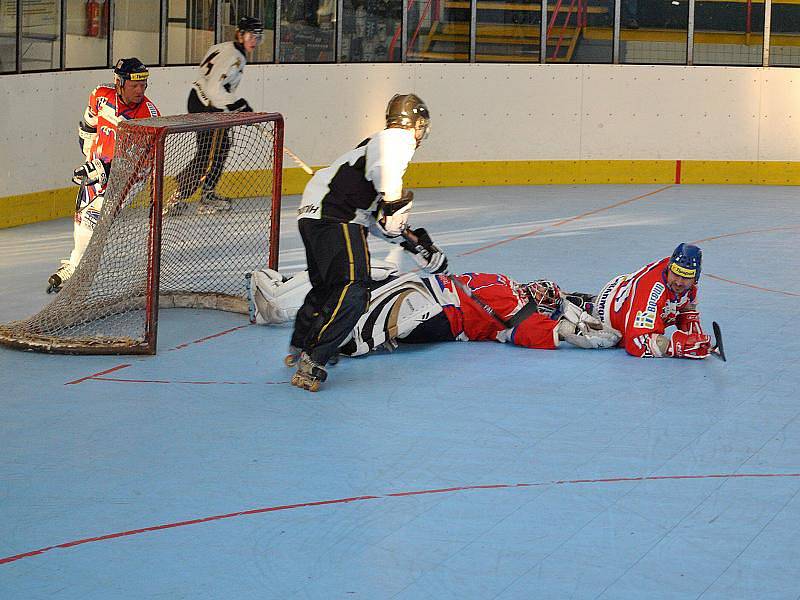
(640,306)
(105,111)
(468,321)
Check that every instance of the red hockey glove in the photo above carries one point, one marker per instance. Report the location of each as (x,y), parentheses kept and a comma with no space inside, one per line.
(689,345)
(689,321)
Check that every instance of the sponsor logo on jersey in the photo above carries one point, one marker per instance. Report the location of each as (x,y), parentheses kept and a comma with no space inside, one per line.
(307,209)
(647,319)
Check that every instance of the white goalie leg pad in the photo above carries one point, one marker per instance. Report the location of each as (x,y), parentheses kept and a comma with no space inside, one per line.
(395,310)
(586,337)
(382,269)
(82,229)
(273,300)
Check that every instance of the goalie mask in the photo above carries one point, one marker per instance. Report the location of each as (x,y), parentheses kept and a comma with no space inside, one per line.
(546,294)
(408,111)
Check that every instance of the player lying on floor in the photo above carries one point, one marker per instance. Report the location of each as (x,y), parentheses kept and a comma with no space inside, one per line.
(641,305)
(419,308)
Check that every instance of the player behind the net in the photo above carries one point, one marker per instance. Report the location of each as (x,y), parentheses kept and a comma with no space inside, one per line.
(214,90)
(641,305)
(361,191)
(108,105)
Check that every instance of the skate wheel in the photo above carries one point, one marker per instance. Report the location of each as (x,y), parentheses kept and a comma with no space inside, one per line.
(290,360)
(314,387)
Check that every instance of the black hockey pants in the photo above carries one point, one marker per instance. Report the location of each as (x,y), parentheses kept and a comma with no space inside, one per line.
(209,159)
(338,267)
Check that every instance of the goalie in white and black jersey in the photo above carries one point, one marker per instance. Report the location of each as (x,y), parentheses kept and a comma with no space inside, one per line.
(361,191)
(214,90)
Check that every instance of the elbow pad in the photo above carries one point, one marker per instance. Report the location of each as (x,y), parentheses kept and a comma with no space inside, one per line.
(86,137)
(240,105)
(391,218)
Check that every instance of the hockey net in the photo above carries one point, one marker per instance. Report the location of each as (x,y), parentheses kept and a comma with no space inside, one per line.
(139,259)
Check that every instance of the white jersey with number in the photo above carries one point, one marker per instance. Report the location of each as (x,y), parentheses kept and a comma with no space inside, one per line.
(349,190)
(220,74)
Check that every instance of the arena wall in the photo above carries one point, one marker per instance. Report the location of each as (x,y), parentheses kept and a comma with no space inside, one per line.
(492,124)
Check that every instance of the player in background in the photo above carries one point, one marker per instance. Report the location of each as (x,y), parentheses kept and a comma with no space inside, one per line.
(412,308)
(108,105)
(214,90)
(643,304)
(361,191)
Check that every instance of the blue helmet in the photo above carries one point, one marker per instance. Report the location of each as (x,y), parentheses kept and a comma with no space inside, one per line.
(686,261)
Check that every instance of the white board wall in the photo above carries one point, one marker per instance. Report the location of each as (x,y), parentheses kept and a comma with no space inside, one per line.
(479,112)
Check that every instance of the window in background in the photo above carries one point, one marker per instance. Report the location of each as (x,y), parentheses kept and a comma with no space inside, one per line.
(728,33)
(190,30)
(784,40)
(41,30)
(136,30)
(654,32)
(86,34)
(8,36)
(234,10)
(438,30)
(506,32)
(371,31)
(307,31)
(582,32)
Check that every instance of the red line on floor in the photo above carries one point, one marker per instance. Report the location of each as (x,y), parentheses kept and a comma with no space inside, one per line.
(111,370)
(255,511)
(208,337)
(164,381)
(750,285)
(748,231)
(178,347)
(562,222)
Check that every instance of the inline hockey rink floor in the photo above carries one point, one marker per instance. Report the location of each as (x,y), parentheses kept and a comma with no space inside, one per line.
(461,470)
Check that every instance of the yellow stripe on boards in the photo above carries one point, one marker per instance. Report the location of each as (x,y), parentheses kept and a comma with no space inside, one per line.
(53,204)
(346,287)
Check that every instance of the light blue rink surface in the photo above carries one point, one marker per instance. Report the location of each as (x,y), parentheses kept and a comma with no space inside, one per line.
(474,470)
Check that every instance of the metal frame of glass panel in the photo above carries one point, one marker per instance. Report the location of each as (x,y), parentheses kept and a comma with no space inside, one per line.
(217,26)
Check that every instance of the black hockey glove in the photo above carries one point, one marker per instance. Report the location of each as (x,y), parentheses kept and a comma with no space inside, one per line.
(240,105)
(425,252)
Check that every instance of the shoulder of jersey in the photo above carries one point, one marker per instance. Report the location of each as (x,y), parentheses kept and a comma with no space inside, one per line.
(151,108)
(104,89)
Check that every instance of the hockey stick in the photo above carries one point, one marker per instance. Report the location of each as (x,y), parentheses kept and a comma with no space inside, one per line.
(718,350)
(79,197)
(298,161)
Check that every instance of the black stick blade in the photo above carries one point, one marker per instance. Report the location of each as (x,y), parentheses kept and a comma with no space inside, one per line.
(718,348)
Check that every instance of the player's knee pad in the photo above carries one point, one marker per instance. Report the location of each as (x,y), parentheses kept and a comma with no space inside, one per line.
(394,311)
(380,270)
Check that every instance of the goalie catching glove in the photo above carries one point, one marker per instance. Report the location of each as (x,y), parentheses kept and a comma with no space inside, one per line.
(94,171)
(425,253)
